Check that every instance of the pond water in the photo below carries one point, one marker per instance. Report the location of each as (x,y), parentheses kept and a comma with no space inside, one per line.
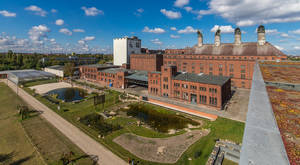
(68,94)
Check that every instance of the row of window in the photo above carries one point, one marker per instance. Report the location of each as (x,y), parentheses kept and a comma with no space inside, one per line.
(212,90)
(154,90)
(202,98)
(222,57)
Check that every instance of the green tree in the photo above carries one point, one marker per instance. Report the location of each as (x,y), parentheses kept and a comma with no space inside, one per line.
(69,69)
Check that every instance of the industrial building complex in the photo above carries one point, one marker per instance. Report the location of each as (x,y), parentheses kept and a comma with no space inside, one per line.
(202,74)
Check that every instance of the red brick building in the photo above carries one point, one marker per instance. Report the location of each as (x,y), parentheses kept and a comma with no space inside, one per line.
(225,59)
(193,88)
(146,62)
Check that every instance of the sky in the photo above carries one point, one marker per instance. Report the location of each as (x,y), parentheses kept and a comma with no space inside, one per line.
(89,26)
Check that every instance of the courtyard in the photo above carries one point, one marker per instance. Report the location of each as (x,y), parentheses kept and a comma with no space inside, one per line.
(119,125)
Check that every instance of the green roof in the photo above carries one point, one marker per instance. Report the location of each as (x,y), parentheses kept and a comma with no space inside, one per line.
(201,78)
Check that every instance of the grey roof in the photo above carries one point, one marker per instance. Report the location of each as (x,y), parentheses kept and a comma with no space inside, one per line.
(57,67)
(201,78)
(262,142)
(245,49)
(100,66)
(139,75)
(113,70)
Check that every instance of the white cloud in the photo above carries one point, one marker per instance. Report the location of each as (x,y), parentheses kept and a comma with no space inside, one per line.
(296,47)
(251,12)
(171,14)
(174,36)
(92,11)
(59,22)
(272,31)
(7,13)
(65,31)
(188,8)
(284,35)
(224,29)
(279,47)
(155,30)
(78,30)
(38,33)
(173,28)
(156,41)
(295,31)
(140,10)
(89,38)
(187,30)
(181,3)
(53,11)
(37,10)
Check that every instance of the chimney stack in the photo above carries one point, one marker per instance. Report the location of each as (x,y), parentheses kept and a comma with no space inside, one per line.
(218,38)
(200,38)
(237,36)
(261,35)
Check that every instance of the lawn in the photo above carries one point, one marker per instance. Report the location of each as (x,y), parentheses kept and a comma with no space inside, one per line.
(199,151)
(14,145)
(48,141)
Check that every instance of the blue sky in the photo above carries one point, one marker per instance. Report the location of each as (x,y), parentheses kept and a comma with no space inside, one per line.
(85,26)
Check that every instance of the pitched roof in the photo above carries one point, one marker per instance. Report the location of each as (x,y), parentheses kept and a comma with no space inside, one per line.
(201,78)
(244,49)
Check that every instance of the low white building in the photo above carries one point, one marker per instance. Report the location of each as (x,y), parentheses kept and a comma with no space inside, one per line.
(56,69)
(124,47)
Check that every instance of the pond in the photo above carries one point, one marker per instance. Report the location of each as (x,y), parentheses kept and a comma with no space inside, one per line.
(160,121)
(68,94)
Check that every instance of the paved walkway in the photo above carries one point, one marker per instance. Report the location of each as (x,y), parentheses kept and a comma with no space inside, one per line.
(183,109)
(44,88)
(83,141)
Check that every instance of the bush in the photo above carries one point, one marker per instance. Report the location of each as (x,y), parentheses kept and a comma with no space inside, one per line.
(97,123)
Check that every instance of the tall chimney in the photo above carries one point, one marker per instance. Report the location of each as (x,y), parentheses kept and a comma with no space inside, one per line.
(261,35)
(237,36)
(218,38)
(200,38)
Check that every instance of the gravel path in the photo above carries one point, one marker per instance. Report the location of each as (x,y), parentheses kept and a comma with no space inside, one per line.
(83,141)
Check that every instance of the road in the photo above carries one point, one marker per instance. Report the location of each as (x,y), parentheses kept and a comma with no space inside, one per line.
(83,141)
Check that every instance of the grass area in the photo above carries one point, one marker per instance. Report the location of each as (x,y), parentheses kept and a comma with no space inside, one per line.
(49,142)
(39,82)
(14,145)
(220,129)
(228,162)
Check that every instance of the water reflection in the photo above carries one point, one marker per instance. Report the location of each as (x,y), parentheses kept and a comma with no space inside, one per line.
(68,94)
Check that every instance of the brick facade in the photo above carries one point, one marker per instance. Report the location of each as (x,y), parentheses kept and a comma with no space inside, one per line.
(163,84)
(146,62)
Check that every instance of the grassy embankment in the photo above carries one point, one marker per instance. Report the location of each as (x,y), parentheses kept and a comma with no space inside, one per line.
(33,140)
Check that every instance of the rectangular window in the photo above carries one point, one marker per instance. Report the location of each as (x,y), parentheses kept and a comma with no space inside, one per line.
(243,76)
(165,79)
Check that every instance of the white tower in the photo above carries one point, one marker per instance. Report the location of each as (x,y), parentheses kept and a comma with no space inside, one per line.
(200,38)
(218,38)
(124,47)
(261,35)
(237,36)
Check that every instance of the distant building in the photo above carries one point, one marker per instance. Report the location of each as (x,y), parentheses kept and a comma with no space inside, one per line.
(124,47)
(58,70)
(73,59)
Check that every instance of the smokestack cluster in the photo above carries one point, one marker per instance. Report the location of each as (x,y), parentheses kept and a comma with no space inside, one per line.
(261,37)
